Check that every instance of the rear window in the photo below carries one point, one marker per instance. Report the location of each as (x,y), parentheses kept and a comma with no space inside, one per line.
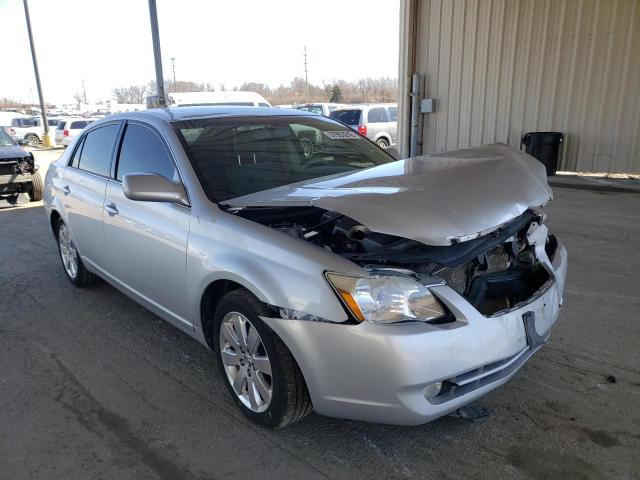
(79,124)
(61,125)
(311,108)
(377,115)
(233,104)
(348,117)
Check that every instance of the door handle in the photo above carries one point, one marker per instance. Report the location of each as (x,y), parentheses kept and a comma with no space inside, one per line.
(66,190)
(111,208)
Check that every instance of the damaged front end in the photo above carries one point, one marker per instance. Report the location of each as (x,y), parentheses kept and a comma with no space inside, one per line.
(16,172)
(495,272)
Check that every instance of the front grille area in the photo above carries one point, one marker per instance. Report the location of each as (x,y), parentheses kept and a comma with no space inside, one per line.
(498,280)
(8,167)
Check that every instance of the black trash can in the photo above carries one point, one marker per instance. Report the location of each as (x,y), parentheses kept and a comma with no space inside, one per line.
(545,146)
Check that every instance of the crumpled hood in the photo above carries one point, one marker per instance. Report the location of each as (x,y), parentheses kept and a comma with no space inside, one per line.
(10,152)
(433,199)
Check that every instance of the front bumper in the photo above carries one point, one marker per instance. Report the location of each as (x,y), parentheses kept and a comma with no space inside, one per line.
(10,184)
(377,373)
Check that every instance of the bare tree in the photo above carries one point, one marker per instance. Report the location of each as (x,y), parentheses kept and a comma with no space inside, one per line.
(383,89)
(121,94)
(78,97)
(137,93)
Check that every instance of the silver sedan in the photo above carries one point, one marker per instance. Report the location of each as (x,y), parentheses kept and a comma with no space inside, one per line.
(324,274)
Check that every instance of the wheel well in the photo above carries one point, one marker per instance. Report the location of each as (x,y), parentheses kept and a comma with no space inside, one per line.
(55,216)
(385,138)
(210,299)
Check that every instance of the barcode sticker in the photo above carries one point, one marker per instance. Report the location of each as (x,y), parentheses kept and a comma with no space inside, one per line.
(340,134)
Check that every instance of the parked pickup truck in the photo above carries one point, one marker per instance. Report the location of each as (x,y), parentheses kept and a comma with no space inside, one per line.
(29,130)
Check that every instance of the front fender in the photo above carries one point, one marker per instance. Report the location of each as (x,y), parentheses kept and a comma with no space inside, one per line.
(278,269)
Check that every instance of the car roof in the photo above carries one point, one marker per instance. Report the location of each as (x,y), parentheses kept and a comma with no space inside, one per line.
(176,114)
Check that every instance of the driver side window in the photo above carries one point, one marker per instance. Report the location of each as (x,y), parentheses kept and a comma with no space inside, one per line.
(142,151)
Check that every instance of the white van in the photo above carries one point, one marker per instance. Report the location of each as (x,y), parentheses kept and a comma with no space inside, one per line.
(188,99)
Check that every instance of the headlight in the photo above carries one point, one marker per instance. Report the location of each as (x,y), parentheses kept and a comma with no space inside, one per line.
(386,298)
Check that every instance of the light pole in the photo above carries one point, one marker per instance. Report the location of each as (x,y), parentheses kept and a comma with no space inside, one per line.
(157,55)
(46,139)
(173,66)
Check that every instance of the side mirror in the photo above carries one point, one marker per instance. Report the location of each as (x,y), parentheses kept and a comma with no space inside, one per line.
(150,187)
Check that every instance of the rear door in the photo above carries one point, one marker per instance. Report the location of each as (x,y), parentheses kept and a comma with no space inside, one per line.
(60,130)
(377,123)
(83,188)
(146,242)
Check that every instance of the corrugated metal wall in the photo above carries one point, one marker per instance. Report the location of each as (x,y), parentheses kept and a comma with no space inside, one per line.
(501,68)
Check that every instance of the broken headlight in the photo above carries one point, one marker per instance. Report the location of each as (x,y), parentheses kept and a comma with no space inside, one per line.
(386,298)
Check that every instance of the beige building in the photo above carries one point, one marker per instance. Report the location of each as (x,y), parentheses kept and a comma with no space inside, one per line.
(500,68)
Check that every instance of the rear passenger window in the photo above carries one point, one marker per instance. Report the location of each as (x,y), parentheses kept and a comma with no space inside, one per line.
(377,115)
(393,114)
(96,151)
(142,151)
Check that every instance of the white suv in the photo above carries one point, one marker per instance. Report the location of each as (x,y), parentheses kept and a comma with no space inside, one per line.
(69,128)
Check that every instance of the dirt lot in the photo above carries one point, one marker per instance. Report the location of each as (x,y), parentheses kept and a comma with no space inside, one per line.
(94,386)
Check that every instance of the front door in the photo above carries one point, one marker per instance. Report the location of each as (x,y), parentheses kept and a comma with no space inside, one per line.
(147,241)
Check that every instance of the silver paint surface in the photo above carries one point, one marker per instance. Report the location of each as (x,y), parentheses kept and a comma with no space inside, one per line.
(431,199)
(165,256)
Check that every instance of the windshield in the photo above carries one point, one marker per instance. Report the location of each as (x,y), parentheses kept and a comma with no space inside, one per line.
(5,139)
(348,117)
(238,156)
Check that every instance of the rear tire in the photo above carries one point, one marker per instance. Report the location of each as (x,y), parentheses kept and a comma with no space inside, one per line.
(382,143)
(31,140)
(37,187)
(289,399)
(72,264)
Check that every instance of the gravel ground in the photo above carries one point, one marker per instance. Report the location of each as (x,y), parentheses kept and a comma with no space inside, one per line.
(94,386)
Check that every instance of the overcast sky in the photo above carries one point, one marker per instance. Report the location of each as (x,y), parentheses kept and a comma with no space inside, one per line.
(108,43)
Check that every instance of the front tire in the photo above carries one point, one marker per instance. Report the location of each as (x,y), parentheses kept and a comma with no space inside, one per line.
(261,374)
(72,264)
(37,187)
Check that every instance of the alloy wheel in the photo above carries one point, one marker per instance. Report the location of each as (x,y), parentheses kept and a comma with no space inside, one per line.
(246,362)
(68,251)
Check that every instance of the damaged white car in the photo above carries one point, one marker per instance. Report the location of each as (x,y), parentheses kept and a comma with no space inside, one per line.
(324,274)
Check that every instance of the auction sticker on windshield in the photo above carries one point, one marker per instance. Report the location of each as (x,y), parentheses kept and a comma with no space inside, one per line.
(340,134)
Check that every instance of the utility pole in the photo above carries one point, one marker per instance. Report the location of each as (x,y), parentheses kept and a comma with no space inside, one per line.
(157,55)
(173,66)
(46,139)
(84,92)
(306,76)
